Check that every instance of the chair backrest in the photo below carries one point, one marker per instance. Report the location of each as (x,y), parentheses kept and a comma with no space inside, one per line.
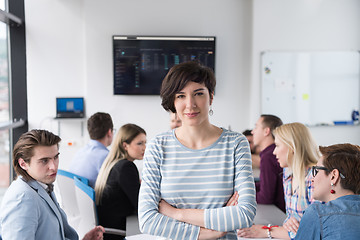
(65,193)
(72,175)
(85,198)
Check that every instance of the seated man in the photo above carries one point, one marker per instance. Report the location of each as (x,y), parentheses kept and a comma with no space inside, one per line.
(270,189)
(88,160)
(29,208)
(255,157)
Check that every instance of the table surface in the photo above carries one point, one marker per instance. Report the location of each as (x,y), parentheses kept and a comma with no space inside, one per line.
(265,214)
(268,213)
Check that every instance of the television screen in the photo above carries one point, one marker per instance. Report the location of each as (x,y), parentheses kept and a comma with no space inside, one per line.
(141,62)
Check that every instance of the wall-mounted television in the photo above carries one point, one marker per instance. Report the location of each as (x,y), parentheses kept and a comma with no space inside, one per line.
(141,62)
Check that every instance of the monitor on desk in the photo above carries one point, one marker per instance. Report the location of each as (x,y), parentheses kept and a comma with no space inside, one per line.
(70,107)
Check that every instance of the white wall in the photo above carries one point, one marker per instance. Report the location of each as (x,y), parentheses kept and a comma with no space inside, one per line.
(305,25)
(69,53)
(55,65)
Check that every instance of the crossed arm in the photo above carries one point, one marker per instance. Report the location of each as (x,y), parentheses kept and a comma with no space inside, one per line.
(195,223)
(194,217)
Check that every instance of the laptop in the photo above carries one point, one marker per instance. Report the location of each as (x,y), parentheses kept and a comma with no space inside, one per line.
(70,107)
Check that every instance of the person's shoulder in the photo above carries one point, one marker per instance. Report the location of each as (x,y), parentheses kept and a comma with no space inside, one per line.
(163,137)
(235,136)
(314,209)
(344,204)
(19,185)
(234,140)
(167,134)
(268,153)
(19,189)
(124,163)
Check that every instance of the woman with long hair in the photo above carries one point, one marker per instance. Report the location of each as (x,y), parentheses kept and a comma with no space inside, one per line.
(193,170)
(337,184)
(296,152)
(118,183)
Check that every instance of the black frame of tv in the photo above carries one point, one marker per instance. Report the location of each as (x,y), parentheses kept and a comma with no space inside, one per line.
(141,62)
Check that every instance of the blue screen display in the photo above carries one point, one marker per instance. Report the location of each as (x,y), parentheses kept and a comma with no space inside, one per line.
(75,105)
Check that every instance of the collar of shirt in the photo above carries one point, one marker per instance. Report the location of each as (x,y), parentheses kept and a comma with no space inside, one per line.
(96,143)
(268,150)
(46,187)
(287,173)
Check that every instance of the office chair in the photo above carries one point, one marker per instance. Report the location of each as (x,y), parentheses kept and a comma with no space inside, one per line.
(85,197)
(65,193)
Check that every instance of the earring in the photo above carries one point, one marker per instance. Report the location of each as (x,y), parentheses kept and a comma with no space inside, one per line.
(211,112)
(332,191)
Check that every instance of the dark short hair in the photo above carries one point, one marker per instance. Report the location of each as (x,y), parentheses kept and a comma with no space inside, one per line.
(271,121)
(24,148)
(247,132)
(177,78)
(99,124)
(346,159)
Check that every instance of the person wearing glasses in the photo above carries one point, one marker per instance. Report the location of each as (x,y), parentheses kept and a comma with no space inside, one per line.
(297,153)
(337,183)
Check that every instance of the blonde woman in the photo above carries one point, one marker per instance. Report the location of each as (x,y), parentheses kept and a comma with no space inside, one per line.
(117,186)
(296,152)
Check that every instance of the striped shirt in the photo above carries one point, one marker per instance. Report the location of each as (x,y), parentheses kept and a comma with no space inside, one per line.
(197,178)
(295,206)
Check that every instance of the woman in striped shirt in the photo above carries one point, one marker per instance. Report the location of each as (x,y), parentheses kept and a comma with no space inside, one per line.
(195,169)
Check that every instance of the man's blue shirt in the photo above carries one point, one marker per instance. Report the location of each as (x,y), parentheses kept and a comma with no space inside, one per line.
(88,160)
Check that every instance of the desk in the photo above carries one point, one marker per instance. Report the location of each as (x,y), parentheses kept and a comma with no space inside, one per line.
(268,213)
(265,214)
(132,225)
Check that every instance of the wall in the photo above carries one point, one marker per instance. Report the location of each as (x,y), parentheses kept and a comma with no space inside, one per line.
(307,25)
(69,53)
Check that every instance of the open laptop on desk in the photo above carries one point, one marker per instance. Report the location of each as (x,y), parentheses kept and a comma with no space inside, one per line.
(70,107)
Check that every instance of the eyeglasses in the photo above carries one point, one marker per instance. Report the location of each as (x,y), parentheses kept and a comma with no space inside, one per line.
(315,171)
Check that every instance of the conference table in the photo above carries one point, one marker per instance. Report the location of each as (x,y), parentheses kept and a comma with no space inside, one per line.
(265,214)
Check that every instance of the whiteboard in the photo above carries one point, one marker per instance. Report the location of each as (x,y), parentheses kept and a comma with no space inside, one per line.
(315,88)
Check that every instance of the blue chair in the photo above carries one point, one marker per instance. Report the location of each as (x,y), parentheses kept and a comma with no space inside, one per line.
(85,197)
(65,193)
(72,175)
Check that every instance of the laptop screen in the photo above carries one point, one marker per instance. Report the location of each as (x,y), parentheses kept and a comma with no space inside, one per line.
(70,107)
